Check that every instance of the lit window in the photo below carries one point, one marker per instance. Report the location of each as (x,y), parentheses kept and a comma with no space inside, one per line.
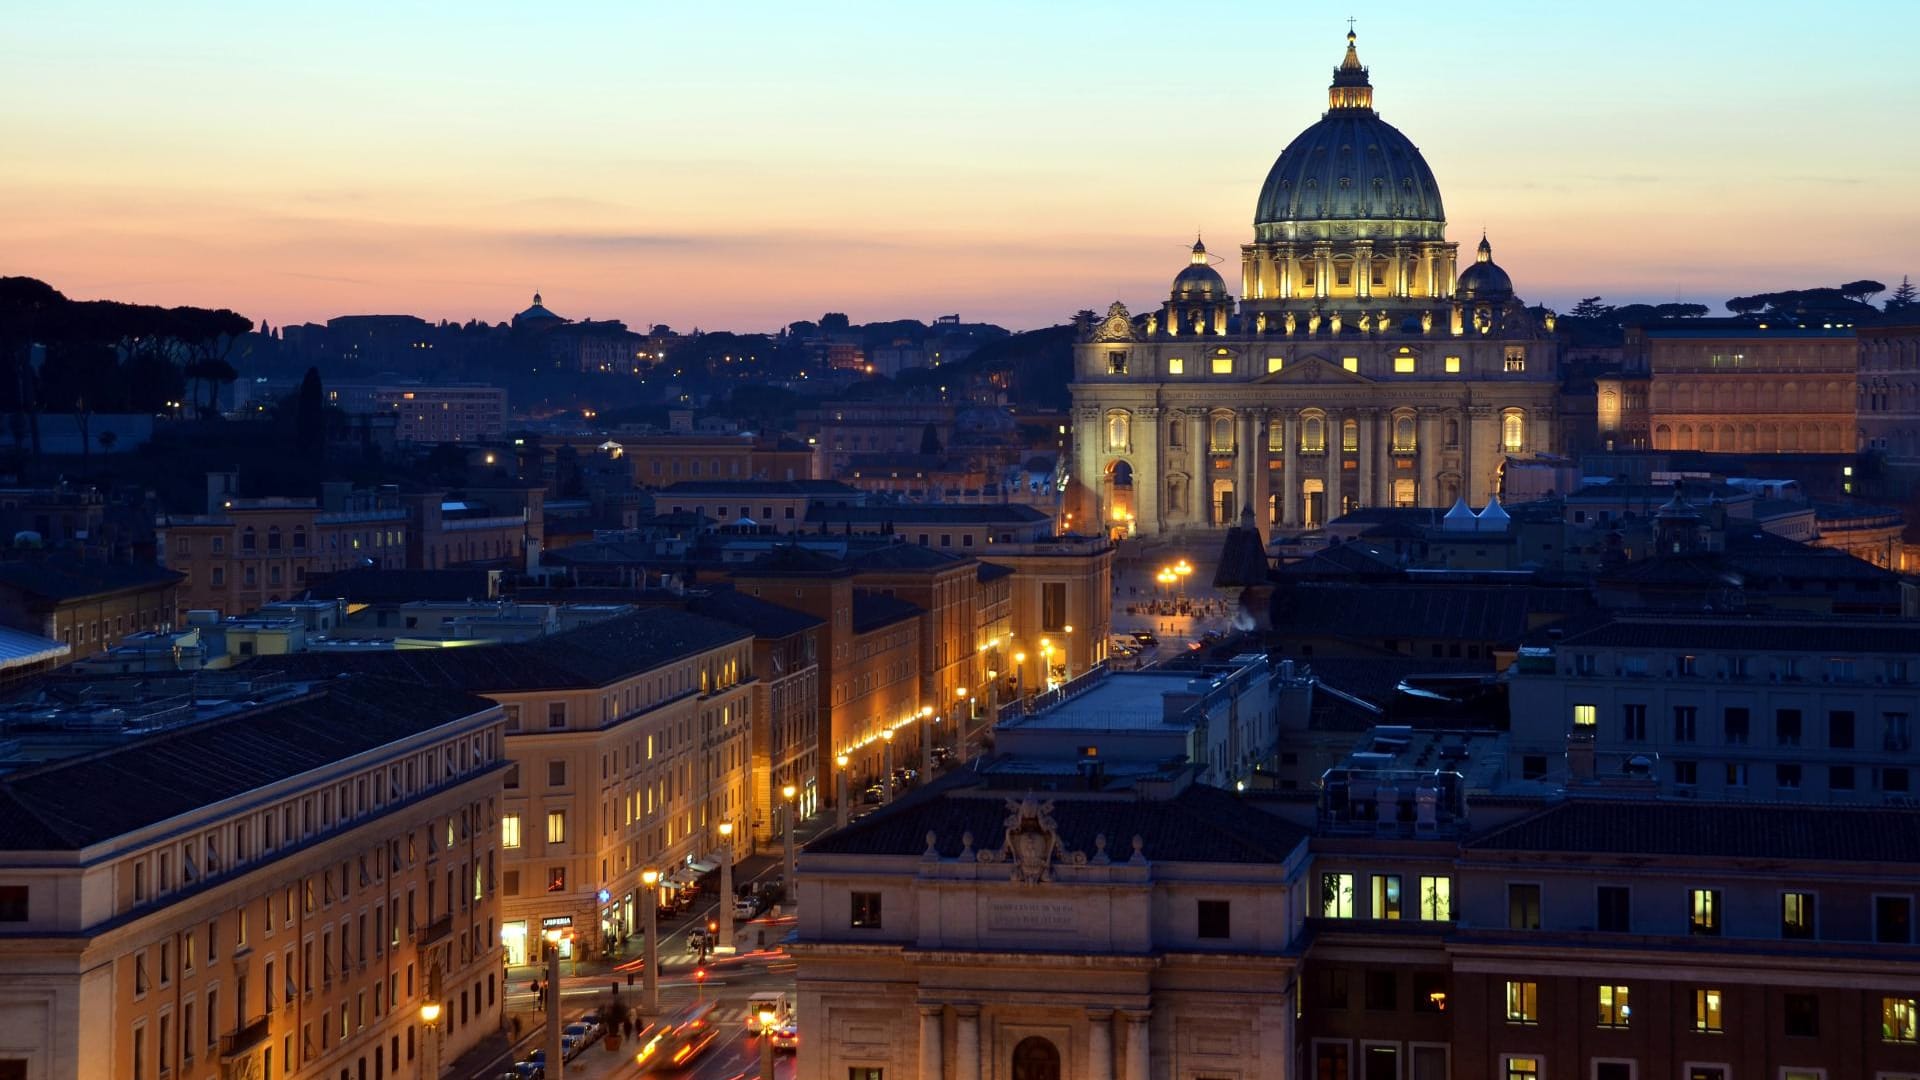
(1453,365)
(1513,431)
(1516,358)
(1703,912)
(1796,915)
(1436,899)
(1176,365)
(1223,365)
(1313,435)
(1386,896)
(1119,431)
(1351,363)
(1898,1021)
(1275,363)
(1336,896)
(556,826)
(510,831)
(1585,716)
(1523,1068)
(1706,1011)
(1614,1009)
(1523,1003)
(1403,365)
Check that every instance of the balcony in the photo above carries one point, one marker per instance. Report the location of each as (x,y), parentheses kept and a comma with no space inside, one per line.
(435,931)
(244,1039)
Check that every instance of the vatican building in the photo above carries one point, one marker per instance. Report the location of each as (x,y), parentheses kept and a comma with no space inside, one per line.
(1363,364)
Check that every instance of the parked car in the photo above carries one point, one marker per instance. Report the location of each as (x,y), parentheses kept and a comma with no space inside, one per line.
(524,1070)
(874,795)
(746,907)
(1145,638)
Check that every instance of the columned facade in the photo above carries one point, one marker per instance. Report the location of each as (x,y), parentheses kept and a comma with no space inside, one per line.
(1360,368)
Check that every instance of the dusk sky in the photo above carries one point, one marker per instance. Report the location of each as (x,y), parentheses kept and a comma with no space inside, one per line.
(743,165)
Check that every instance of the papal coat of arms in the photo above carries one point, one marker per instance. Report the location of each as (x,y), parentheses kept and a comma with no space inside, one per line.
(1033,840)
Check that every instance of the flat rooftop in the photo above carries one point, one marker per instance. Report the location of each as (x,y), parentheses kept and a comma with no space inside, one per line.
(1124,701)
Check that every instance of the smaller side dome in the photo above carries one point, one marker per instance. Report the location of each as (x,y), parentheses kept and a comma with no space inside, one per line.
(1199,280)
(1484,280)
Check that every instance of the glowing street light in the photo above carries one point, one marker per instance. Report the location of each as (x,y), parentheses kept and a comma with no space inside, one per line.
(726,889)
(650,959)
(840,808)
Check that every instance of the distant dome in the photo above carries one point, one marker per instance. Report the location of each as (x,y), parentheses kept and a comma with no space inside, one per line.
(1484,280)
(1351,168)
(537,314)
(1199,281)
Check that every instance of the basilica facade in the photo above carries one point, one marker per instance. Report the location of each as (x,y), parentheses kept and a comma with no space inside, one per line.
(1361,367)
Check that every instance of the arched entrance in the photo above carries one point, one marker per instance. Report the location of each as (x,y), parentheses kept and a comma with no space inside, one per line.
(1119,499)
(1035,1058)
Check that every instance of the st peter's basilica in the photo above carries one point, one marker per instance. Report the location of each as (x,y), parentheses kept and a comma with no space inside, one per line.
(1361,367)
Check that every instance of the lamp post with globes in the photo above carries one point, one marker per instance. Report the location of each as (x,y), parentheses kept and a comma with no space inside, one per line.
(430,1052)
(1066,656)
(841,810)
(961,716)
(1020,679)
(928,718)
(787,884)
(725,945)
(650,959)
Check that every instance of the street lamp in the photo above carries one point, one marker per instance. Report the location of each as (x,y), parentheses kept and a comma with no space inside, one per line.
(927,720)
(1066,656)
(840,807)
(787,883)
(961,716)
(767,1018)
(650,960)
(886,762)
(1020,679)
(552,938)
(430,1058)
(726,888)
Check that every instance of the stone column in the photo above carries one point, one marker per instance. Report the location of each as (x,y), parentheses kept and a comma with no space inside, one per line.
(1099,1044)
(1262,472)
(1426,446)
(1481,433)
(966,1051)
(1290,470)
(1243,463)
(1147,471)
(1089,435)
(1202,493)
(1139,1056)
(1335,457)
(1385,466)
(932,1018)
(1365,448)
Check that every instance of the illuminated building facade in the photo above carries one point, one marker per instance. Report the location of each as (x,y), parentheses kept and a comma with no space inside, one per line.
(1735,387)
(1360,368)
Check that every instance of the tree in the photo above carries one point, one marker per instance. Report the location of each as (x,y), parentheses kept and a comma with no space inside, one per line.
(1863,290)
(1590,307)
(1903,298)
(107,439)
(309,418)
(929,440)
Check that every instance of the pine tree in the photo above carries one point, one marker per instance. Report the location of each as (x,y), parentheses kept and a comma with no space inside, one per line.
(1904,299)
(309,418)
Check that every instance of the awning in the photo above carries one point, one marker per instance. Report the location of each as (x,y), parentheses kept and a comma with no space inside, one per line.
(681,876)
(702,867)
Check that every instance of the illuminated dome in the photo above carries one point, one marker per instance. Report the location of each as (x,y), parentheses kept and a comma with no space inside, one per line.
(1484,280)
(1199,281)
(1351,175)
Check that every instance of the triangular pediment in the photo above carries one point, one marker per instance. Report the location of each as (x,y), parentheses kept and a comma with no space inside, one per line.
(1313,369)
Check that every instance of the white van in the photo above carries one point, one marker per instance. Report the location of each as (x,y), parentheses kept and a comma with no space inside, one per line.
(780,1003)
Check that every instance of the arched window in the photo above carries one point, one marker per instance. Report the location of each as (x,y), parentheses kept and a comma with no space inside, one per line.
(1403,434)
(1513,430)
(299,539)
(1349,435)
(1313,435)
(1453,434)
(248,542)
(1221,433)
(1119,431)
(273,538)
(1035,1058)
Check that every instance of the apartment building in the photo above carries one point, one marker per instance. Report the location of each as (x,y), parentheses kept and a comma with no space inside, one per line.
(629,744)
(247,552)
(88,606)
(962,528)
(270,890)
(780,506)
(1061,598)
(1774,707)
(443,413)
